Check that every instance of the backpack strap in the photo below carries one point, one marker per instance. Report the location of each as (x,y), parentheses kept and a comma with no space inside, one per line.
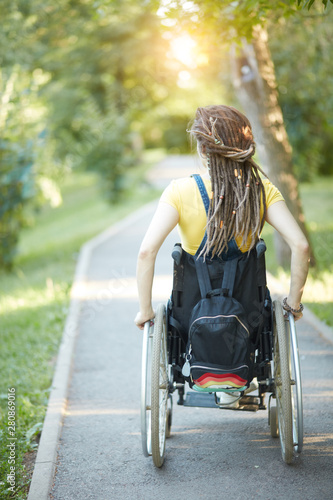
(228,282)
(229,276)
(203,276)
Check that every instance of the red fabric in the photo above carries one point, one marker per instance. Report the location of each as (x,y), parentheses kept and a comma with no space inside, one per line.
(220,377)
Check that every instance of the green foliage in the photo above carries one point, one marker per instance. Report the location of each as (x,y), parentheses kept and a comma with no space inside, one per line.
(108,77)
(16,187)
(16,159)
(233,20)
(305,89)
(86,71)
(309,3)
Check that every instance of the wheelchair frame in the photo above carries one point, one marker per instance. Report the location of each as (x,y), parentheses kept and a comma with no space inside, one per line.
(278,372)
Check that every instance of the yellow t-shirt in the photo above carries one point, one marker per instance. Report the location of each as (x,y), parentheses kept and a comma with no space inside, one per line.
(183,194)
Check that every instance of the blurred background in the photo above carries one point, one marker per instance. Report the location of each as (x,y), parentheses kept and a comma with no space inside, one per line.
(93,94)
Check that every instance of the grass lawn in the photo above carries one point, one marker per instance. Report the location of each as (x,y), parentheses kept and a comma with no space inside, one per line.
(34,299)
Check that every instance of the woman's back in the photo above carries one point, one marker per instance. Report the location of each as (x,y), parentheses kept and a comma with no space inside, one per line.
(184,196)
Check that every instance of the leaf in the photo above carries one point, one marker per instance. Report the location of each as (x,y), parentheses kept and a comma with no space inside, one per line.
(33,432)
(310,4)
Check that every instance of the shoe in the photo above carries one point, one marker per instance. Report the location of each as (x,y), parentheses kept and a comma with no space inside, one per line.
(227,400)
(253,386)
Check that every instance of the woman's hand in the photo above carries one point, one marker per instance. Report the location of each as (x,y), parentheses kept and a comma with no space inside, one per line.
(140,319)
(295,309)
(297,316)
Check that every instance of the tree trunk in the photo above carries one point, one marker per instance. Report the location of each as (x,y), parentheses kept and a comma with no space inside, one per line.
(255,84)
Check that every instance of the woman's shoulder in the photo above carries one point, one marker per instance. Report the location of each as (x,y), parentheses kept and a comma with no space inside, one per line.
(272,193)
(268,185)
(190,181)
(177,189)
(183,184)
(183,181)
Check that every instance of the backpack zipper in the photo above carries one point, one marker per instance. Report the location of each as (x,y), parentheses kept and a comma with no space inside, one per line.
(222,316)
(213,370)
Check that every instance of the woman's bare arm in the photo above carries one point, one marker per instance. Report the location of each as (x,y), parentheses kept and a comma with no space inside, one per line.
(164,220)
(279,216)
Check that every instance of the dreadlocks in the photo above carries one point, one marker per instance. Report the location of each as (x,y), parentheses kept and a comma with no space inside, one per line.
(224,135)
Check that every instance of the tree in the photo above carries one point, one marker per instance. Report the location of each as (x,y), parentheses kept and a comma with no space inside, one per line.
(255,83)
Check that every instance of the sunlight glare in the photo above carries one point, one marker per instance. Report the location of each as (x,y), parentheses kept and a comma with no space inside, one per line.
(184,79)
(183,49)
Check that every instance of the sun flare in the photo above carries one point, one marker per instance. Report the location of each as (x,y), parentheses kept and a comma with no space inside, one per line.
(183,49)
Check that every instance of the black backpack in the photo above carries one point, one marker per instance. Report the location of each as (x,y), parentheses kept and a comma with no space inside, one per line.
(219,349)
(217,307)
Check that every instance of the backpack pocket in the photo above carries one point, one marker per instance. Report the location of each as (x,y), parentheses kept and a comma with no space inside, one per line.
(218,348)
(209,378)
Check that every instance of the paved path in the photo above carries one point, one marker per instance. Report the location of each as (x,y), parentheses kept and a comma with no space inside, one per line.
(211,453)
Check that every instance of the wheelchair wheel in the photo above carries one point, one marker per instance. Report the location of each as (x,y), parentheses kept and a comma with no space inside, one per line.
(283,383)
(296,388)
(146,389)
(160,387)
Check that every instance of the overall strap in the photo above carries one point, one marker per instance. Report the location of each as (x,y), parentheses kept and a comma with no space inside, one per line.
(203,191)
(205,199)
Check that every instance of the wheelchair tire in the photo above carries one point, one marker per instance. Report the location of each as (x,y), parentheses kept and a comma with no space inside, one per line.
(160,387)
(296,388)
(169,417)
(146,370)
(282,382)
(273,422)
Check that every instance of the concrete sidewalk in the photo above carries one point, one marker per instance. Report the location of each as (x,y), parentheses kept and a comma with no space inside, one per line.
(91,446)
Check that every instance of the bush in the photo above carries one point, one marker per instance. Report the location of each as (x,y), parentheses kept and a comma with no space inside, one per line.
(16,189)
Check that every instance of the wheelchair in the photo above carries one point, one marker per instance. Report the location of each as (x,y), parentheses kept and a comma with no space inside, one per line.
(276,366)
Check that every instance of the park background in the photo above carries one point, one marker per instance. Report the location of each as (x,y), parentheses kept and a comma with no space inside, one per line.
(95,93)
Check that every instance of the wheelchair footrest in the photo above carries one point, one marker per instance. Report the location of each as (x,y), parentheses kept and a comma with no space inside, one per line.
(200,400)
(207,400)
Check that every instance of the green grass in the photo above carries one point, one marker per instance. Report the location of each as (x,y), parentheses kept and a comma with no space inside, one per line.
(34,301)
(317,200)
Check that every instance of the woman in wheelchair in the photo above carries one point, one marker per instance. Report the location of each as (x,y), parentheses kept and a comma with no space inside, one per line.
(220,266)
(241,202)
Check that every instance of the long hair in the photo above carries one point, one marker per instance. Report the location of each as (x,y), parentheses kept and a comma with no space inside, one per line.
(224,136)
